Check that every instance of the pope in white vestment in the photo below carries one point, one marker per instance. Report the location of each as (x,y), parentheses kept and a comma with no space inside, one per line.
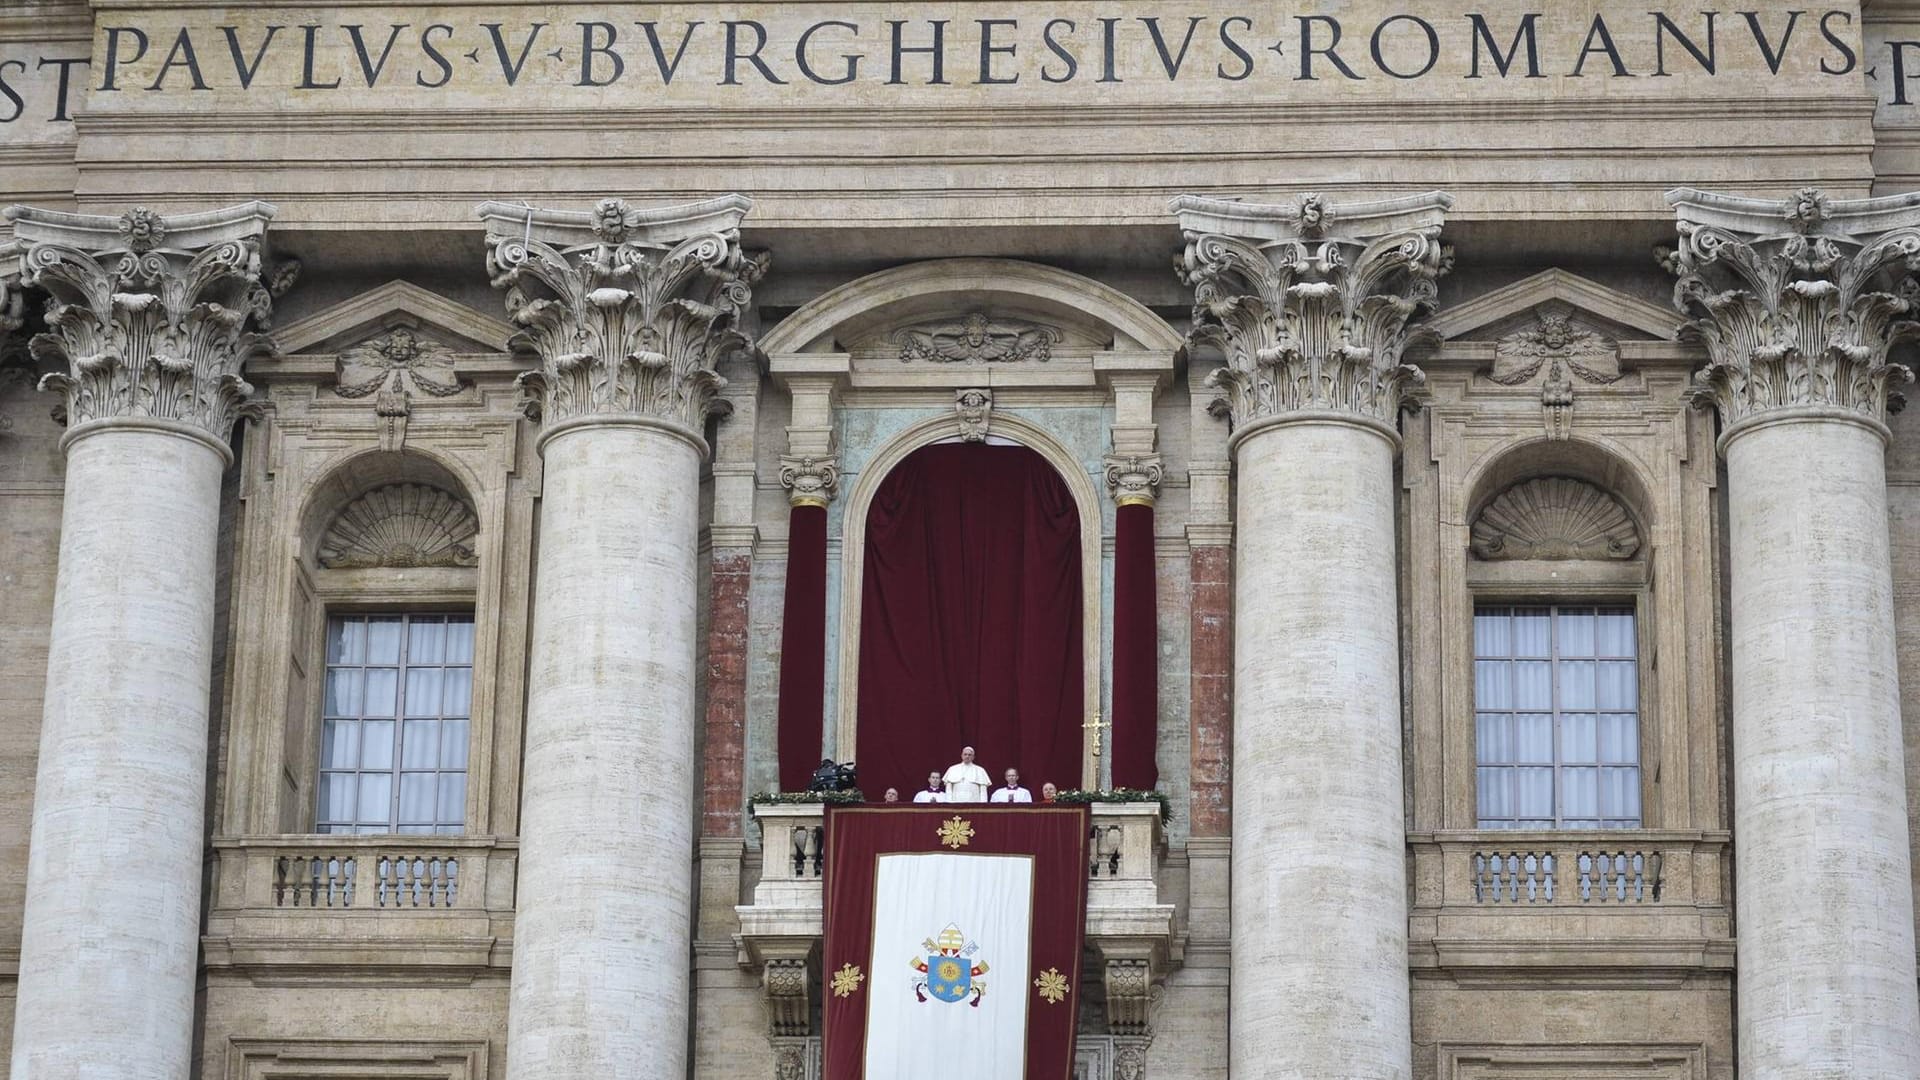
(966,782)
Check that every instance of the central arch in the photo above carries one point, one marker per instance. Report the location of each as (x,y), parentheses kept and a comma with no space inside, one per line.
(1079,485)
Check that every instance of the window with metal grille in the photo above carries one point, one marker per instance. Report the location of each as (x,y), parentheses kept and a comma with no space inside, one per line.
(1557,704)
(394,725)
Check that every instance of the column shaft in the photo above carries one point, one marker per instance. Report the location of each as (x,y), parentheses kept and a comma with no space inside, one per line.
(1319,969)
(111,932)
(602,937)
(1826,946)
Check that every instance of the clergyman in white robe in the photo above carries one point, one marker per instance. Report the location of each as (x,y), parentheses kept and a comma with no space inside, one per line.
(965,781)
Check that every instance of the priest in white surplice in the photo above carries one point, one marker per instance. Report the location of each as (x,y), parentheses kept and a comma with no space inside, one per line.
(966,782)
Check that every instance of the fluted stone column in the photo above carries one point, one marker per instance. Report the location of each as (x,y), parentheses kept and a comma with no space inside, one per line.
(1797,302)
(1310,304)
(628,310)
(151,317)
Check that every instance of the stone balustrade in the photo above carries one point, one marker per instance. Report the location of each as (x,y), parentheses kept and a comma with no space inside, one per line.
(1489,900)
(292,902)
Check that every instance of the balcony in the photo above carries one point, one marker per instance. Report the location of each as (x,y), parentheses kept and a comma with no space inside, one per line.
(1134,932)
(1641,906)
(287,908)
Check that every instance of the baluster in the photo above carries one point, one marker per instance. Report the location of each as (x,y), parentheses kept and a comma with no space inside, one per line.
(1479,878)
(819,850)
(1546,877)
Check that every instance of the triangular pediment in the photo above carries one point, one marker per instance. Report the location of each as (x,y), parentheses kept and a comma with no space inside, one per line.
(1494,314)
(395,304)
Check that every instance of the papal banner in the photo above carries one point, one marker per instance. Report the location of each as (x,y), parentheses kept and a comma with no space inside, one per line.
(953,941)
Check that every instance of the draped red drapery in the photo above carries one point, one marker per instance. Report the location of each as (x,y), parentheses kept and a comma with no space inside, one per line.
(1136,650)
(803,647)
(970,620)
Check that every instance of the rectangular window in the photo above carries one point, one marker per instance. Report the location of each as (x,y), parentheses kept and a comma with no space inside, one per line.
(1557,701)
(393,738)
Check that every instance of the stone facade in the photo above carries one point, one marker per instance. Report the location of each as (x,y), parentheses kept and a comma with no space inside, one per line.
(557,314)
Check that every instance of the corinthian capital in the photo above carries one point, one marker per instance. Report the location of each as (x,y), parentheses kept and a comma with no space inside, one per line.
(154,316)
(1310,302)
(1797,300)
(629,310)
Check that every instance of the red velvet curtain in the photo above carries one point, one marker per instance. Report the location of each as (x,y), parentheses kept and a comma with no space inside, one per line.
(1136,659)
(803,648)
(970,624)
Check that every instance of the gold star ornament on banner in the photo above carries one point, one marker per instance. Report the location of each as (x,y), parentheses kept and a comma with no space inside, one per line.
(955,832)
(846,981)
(1052,986)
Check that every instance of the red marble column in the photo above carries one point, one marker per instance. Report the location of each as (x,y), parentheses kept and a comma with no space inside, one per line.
(1211,691)
(725,764)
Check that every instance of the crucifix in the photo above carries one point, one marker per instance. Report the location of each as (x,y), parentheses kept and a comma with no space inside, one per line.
(1094,725)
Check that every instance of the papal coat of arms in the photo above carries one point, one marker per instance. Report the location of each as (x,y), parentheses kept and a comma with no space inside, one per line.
(950,972)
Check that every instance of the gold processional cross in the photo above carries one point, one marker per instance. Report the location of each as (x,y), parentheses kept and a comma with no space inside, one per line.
(1094,725)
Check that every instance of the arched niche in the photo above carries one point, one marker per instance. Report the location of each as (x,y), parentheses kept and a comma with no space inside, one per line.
(1604,468)
(853,549)
(405,484)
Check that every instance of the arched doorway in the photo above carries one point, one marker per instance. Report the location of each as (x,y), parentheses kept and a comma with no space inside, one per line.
(971,617)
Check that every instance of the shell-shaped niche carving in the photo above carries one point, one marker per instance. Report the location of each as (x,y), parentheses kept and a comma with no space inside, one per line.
(401,525)
(1555,518)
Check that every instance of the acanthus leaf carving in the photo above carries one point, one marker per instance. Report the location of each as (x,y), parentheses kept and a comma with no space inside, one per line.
(1797,301)
(152,317)
(628,310)
(1554,517)
(392,368)
(401,525)
(1559,352)
(977,339)
(1309,318)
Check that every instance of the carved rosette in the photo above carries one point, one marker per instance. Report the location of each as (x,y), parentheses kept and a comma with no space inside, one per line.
(1134,479)
(153,316)
(1311,304)
(1797,300)
(628,310)
(809,481)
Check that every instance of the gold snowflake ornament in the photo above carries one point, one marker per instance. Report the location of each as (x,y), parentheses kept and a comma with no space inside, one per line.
(1052,986)
(955,832)
(847,980)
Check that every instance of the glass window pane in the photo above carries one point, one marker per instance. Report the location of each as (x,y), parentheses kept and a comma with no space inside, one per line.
(458,695)
(1576,684)
(1495,797)
(382,684)
(460,639)
(1492,684)
(1620,794)
(1615,687)
(453,744)
(383,639)
(339,744)
(420,744)
(453,797)
(1493,738)
(346,640)
(336,797)
(1533,793)
(1580,793)
(1619,741)
(427,641)
(420,829)
(343,692)
(1533,684)
(1492,633)
(376,745)
(1576,632)
(1532,632)
(1578,740)
(1614,632)
(423,691)
(416,797)
(1533,738)
(376,798)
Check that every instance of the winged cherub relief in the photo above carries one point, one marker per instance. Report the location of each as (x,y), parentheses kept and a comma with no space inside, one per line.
(391,368)
(1564,351)
(976,339)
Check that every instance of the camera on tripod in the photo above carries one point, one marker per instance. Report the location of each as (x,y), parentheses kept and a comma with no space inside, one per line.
(832,777)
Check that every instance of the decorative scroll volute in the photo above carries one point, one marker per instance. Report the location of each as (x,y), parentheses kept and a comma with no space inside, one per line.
(629,310)
(153,316)
(1311,303)
(1797,300)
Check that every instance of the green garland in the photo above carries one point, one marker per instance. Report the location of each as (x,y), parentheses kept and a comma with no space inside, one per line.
(1119,795)
(790,797)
